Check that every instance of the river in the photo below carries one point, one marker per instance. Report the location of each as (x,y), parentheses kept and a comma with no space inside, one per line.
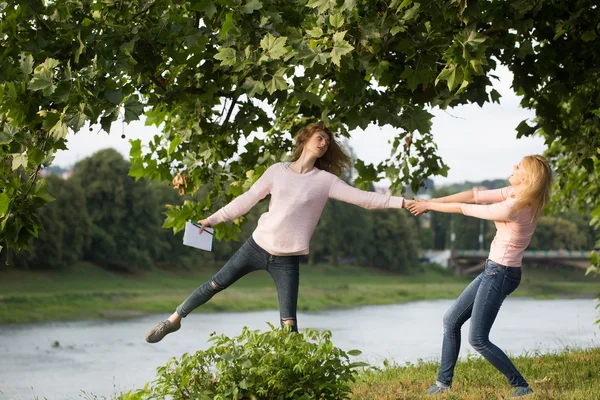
(73,360)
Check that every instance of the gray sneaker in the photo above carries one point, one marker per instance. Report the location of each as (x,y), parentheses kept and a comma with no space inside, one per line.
(522,391)
(435,389)
(161,330)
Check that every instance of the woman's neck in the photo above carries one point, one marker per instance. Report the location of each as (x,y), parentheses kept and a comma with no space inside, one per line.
(303,165)
(517,190)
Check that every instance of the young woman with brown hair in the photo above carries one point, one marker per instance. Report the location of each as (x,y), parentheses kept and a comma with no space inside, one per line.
(299,190)
(514,210)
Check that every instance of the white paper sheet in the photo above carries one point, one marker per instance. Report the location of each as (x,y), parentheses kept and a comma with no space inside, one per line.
(192,236)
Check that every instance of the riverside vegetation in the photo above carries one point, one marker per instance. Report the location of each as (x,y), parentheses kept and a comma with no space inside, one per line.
(85,291)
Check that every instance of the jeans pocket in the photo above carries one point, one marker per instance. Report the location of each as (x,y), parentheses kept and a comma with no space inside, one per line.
(510,285)
(491,269)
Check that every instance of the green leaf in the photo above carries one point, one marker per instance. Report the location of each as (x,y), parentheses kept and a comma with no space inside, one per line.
(106,122)
(42,81)
(524,129)
(114,96)
(252,87)
(416,119)
(400,6)
(80,48)
(591,269)
(59,130)
(477,38)
(137,171)
(336,20)
(349,5)
(26,64)
(19,160)
(205,6)
(133,109)
(310,97)
(412,78)
(340,47)
(322,5)
(275,47)
(476,66)
(278,82)
(227,25)
(251,6)
(136,148)
(588,36)
(226,55)
(7,135)
(354,352)
(398,28)
(78,120)
(4,203)
(41,192)
(495,96)
(315,32)
(50,63)
(451,75)
(174,143)
(412,12)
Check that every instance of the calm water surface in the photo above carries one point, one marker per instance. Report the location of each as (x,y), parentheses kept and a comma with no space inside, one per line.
(106,357)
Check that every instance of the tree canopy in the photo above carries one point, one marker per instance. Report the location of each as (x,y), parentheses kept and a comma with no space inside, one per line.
(205,71)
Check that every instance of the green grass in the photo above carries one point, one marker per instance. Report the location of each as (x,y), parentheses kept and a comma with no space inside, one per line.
(85,291)
(567,375)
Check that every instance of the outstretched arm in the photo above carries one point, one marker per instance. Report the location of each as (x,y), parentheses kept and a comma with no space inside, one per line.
(241,204)
(423,206)
(468,196)
(477,195)
(340,190)
(492,212)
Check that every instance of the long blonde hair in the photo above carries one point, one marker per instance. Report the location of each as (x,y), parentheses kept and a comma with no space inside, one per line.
(534,192)
(334,160)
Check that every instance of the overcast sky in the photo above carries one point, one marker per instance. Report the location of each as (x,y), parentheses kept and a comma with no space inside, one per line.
(477,143)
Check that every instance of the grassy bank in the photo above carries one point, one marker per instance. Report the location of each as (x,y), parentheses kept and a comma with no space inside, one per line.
(85,291)
(568,375)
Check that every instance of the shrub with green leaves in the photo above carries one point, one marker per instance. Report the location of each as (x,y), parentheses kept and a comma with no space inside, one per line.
(276,364)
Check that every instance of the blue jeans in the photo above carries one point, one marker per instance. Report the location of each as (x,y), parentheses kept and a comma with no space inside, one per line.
(480,301)
(285,271)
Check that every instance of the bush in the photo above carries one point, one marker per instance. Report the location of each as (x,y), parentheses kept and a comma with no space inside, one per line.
(276,364)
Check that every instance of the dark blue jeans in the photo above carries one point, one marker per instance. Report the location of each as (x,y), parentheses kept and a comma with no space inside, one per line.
(285,271)
(480,301)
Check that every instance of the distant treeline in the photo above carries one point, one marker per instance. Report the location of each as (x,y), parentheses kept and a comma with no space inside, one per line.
(104,216)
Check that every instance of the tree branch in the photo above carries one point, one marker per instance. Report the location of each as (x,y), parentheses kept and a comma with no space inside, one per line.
(158,83)
(197,91)
(143,11)
(494,31)
(233,103)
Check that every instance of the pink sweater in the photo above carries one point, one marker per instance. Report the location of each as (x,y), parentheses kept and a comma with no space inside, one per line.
(297,201)
(514,227)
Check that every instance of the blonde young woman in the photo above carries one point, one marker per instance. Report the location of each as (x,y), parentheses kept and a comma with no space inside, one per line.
(299,190)
(514,210)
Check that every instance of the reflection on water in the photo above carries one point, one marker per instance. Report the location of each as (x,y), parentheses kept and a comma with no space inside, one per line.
(60,360)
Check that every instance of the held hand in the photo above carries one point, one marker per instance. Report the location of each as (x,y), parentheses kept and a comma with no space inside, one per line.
(408,203)
(204,224)
(419,207)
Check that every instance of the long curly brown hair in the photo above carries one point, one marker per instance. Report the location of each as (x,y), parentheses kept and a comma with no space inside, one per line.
(334,160)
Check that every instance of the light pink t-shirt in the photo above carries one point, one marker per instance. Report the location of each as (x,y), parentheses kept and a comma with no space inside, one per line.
(297,201)
(514,227)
